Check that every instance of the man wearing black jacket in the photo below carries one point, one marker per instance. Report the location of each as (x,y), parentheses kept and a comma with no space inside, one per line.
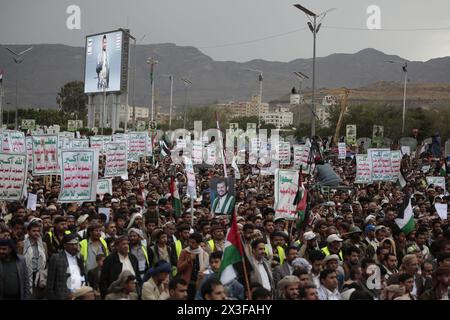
(117,262)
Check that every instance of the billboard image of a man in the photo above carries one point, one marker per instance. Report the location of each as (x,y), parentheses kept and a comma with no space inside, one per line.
(102,68)
(224,202)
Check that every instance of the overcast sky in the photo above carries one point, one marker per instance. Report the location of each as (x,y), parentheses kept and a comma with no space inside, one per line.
(211,24)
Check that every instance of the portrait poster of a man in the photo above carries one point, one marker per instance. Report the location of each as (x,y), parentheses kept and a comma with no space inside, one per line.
(222,195)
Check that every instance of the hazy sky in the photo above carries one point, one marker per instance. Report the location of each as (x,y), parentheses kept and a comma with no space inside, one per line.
(210,24)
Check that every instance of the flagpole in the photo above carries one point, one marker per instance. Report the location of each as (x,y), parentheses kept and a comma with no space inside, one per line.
(242,252)
(222,153)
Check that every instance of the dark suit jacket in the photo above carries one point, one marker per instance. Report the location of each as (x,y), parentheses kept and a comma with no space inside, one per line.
(22,271)
(112,268)
(58,275)
(153,255)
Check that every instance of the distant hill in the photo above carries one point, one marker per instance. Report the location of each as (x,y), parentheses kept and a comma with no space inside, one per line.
(48,67)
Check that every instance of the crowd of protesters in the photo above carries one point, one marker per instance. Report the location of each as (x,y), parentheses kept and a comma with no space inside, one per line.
(348,247)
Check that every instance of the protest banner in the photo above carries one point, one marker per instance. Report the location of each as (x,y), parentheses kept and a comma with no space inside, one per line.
(116,160)
(437,182)
(28,124)
(17,141)
(441,210)
(342,151)
(45,155)
(254,151)
(80,143)
(396,159)
(286,186)
(363,169)
(98,142)
(6,142)
(197,152)
(380,160)
(32,201)
(137,145)
(351,135)
(406,150)
(104,186)
(211,154)
(29,147)
(13,175)
(301,155)
(79,175)
(284,153)
(191,185)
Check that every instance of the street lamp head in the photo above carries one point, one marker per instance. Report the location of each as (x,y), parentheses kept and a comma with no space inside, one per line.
(306,11)
(311,27)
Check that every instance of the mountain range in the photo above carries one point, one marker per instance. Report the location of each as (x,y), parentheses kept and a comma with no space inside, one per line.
(49,66)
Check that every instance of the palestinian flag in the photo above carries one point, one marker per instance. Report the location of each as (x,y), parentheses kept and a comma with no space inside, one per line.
(233,253)
(405,218)
(176,202)
(300,198)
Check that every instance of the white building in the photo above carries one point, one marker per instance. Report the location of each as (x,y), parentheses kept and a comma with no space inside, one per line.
(280,117)
(141,113)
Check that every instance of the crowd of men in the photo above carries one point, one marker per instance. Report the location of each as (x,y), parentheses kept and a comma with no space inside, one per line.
(348,247)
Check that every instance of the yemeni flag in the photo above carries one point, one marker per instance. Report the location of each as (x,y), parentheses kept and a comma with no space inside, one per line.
(176,202)
(300,198)
(232,253)
(405,218)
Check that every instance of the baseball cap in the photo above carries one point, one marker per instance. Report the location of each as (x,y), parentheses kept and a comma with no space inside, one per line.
(369,227)
(334,237)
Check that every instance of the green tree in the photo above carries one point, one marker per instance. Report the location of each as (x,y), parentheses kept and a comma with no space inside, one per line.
(71,98)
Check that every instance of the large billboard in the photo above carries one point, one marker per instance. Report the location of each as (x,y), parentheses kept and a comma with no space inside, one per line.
(106,62)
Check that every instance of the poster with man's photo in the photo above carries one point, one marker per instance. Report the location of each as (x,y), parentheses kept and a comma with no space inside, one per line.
(222,195)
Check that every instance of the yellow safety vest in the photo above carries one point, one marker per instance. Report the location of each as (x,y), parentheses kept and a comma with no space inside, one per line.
(84,248)
(178,248)
(326,251)
(144,250)
(212,245)
(50,233)
(281,253)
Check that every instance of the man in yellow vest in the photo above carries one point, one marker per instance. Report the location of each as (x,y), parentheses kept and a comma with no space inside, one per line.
(218,239)
(278,242)
(183,232)
(53,238)
(334,246)
(91,247)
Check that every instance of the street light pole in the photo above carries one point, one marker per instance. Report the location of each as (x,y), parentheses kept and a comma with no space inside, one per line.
(405,70)
(260,78)
(171,98)
(152,62)
(187,83)
(17,57)
(314,27)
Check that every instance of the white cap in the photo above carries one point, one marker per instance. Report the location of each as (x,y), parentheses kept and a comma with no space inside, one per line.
(334,237)
(369,217)
(309,235)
